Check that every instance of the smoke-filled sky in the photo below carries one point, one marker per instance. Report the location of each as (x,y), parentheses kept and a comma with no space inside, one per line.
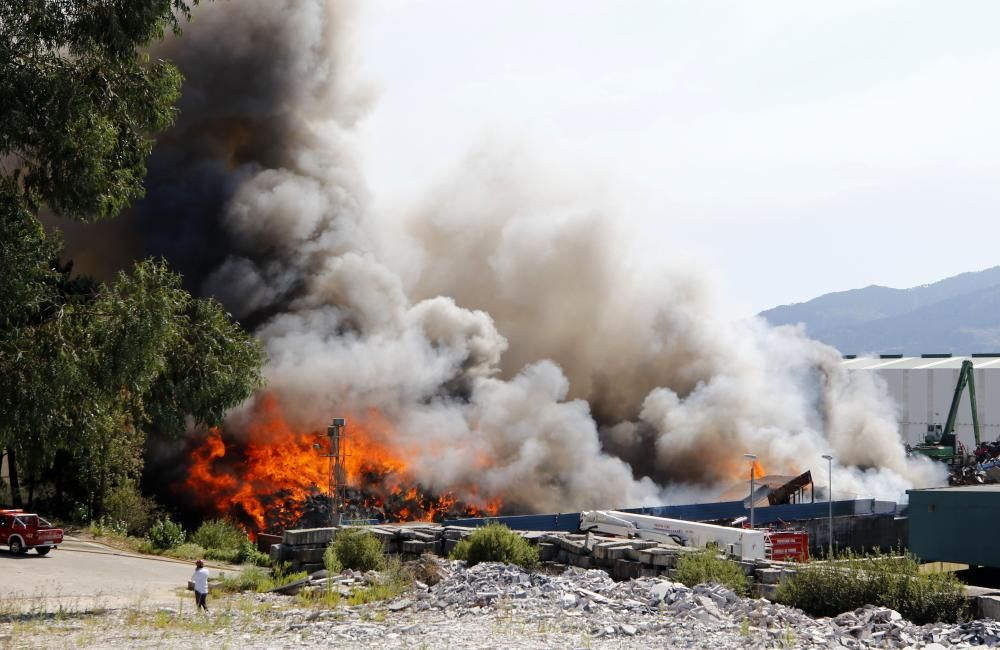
(506,310)
(799,148)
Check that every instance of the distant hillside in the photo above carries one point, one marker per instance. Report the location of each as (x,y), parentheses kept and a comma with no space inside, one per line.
(960,314)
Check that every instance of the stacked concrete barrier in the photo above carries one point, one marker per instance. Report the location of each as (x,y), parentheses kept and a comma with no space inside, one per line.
(622,558)
(303,549)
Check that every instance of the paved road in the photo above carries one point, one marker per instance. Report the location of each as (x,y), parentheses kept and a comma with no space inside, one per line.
(82,575)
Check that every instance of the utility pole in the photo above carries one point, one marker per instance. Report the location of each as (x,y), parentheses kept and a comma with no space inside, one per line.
(335,449)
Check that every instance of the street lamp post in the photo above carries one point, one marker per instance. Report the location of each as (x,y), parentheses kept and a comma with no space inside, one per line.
(829,474)
(751,458)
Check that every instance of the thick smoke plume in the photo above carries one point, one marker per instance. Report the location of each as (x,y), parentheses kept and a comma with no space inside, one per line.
(502,332)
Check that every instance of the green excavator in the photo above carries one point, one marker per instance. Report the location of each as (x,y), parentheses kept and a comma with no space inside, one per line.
(942,444)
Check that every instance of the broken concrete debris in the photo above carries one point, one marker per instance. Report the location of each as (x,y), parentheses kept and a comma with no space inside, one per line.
(641,611)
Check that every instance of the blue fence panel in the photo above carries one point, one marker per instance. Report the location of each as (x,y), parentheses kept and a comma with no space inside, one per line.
(570,521)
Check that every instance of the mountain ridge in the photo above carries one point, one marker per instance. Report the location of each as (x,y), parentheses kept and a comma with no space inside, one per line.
(959,314)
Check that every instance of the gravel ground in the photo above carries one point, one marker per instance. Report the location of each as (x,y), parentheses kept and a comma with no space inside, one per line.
(492,605)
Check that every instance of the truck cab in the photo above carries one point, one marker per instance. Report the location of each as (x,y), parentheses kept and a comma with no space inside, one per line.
(21,531)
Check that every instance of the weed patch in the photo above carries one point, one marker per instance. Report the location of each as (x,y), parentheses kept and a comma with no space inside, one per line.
(708,566)
(850,582)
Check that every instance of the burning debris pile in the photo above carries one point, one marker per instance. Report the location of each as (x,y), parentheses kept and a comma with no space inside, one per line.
(492,346)
(275,479)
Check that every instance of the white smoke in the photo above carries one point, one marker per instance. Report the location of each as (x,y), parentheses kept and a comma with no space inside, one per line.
(504,334)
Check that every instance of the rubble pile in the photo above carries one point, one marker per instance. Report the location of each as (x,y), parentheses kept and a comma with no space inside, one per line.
(479,605)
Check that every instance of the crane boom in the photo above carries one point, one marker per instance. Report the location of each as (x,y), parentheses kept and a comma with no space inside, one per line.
(965,377)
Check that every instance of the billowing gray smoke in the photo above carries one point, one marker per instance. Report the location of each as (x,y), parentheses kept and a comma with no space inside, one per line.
(502,332)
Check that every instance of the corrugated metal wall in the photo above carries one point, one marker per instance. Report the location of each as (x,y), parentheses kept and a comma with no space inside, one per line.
(570,521)
(923,390)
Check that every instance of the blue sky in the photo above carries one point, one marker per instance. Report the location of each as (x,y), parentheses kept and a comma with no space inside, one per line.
(797,148)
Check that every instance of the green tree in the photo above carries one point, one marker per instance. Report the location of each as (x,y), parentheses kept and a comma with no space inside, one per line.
(80,100)
(88,369)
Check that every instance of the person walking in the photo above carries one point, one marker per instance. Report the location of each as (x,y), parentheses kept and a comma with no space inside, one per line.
(200,579)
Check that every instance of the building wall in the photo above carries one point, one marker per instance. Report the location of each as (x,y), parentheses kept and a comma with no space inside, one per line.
(923,395)
(956,525)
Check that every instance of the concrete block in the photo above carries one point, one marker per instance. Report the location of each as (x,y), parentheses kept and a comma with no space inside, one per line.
(987,607)
(658,557)
(305,555)
(448,545)
(769,576)
(416,547)
(279,553)
(573,546)
(582,561)
(626,569)
(599,550)
(562,557)
(385,536)
(309,536)
(547,552)
(456,532)
(617,552)
(419,534)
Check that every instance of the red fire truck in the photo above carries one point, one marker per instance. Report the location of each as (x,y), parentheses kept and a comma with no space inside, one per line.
(20,531)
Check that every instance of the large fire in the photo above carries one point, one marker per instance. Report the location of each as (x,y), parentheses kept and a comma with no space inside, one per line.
(268,479)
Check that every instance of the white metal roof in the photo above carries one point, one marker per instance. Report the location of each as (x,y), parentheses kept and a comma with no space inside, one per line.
(895,362)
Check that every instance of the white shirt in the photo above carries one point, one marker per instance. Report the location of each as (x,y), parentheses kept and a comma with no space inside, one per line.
(200,579)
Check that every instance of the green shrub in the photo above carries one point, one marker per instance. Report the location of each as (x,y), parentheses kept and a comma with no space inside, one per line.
(708,566)
(247,553)
(831,588)
(220,534)
(357,548)
(166,534)
(124,503)
(331,562)
(253,578)
(188,551)
(108,527)
(495,543)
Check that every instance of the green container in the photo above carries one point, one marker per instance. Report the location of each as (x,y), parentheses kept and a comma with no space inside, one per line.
(956,524)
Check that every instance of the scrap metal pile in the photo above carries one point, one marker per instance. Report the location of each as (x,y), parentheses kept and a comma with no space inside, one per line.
(981,467)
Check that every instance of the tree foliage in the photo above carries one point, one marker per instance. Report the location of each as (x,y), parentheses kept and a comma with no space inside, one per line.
(80,101)
(89,369)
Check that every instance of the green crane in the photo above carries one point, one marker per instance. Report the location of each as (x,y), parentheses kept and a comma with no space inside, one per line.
(943,445)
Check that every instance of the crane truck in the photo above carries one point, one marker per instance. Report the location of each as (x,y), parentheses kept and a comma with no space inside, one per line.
(744,543)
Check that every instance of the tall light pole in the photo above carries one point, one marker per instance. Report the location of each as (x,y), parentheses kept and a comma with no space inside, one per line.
(335,453)
(751,458)
(829,475)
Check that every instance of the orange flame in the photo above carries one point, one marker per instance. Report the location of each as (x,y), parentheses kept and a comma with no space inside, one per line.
(269,476)
(757,470)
